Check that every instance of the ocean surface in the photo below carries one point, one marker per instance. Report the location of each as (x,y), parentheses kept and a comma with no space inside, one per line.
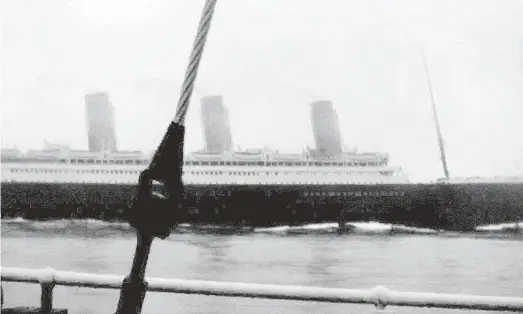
(489,263)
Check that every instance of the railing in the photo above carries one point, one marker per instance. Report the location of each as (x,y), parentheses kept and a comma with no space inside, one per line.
(379,296)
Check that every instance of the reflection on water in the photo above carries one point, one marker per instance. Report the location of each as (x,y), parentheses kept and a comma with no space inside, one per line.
(438,263)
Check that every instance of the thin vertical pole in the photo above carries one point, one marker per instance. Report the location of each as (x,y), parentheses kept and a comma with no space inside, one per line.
(436,122)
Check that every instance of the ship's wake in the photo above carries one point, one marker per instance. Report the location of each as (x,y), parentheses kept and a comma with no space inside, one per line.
(350,228)
(92,227)
(515,227)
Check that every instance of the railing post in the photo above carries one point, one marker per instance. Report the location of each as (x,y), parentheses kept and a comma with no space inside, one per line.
(380,309)
(47,297)
(47,283)
(382,298)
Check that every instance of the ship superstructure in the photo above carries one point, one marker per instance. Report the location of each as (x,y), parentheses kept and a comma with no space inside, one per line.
(247,167)
(216,164)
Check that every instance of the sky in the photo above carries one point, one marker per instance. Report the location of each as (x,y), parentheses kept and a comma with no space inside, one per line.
(270,59)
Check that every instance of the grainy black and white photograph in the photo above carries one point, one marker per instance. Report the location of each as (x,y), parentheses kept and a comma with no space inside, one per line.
(261,156)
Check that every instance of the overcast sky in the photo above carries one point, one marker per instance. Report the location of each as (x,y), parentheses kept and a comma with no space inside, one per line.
(270,59)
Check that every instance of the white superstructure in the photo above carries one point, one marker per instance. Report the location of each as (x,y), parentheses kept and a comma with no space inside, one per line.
(60,164)
(476,179)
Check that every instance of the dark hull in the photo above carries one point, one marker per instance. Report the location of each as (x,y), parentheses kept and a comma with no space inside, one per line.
(439,206)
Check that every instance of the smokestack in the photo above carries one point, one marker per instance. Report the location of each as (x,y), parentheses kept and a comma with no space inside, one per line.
(326,128)
(100,122)
(215,125)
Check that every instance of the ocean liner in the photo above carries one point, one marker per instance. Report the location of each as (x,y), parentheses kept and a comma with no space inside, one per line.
(257,187)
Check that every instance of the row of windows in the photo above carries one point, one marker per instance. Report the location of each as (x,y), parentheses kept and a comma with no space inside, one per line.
(93,171)
(283,163)
(356,193)
(244,173)
(206,182)
(268,173)
(221,163)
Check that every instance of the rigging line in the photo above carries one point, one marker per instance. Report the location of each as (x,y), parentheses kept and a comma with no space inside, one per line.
(436,121)
(192,69)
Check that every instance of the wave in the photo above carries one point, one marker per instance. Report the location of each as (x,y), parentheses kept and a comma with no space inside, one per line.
(514,227)
(97,227)
(350,227)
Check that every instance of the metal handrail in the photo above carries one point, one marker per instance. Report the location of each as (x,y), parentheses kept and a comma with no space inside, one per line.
(379,296)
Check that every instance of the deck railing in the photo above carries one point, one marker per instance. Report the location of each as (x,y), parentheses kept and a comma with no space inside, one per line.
(380,297)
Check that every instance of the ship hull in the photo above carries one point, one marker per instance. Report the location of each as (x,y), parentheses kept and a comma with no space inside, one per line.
(458,207)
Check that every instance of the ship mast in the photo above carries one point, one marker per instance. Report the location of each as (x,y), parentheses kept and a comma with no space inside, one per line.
(517,167)
(436,122)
